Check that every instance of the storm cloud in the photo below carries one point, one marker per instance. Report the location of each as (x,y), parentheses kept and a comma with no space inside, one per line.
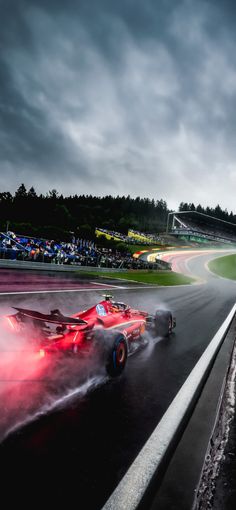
(129,97)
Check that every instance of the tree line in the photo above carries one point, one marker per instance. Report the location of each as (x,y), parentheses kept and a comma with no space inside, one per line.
(57,217)
(217,212)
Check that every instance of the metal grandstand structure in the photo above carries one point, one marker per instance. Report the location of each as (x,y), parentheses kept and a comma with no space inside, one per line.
(199,227)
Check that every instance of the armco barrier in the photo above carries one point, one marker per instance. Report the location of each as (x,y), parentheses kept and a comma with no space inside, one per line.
(136,489)
(44,266)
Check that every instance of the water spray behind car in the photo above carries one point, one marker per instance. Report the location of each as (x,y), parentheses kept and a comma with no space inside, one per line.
(58,353)
(32,384)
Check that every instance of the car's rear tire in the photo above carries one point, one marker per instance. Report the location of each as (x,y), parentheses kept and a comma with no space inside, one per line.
(163,323)
(115,352)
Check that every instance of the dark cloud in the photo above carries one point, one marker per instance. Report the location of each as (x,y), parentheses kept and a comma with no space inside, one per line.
(119,97)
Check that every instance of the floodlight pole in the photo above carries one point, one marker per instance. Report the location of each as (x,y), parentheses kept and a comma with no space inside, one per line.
(168,220)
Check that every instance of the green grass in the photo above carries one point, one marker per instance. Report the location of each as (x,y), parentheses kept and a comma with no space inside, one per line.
(224,266)
(153,277)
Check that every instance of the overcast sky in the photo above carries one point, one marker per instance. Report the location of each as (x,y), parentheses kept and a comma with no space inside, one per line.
(120,97)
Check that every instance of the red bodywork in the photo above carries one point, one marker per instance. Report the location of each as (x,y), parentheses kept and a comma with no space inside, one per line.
(109,329)
(106,315)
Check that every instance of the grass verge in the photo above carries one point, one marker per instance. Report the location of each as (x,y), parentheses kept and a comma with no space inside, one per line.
(153,277)
(224,266)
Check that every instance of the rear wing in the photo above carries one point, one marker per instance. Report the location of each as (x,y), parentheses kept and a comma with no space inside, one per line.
(55,317)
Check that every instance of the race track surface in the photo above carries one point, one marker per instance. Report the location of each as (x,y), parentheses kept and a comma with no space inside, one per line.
(77,431)
(16,280)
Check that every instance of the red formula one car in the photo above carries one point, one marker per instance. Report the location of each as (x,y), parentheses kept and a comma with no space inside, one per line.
(111,327)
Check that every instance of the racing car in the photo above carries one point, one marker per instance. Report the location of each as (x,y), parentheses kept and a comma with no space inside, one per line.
(113,328)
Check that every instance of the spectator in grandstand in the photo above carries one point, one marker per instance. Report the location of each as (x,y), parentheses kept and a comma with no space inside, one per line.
(82,253)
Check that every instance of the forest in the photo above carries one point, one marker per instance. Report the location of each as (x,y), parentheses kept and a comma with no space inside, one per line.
(56,216)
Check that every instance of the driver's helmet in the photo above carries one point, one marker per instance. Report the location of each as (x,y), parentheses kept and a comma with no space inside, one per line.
(114,308)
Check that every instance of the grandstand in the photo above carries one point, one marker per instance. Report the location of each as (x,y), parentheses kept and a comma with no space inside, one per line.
(80,252)
(133,237)
(142,237)
(139,238)
(111,235)
(201,228)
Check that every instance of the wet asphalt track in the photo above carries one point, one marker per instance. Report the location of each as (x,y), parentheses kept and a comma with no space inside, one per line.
(80,450)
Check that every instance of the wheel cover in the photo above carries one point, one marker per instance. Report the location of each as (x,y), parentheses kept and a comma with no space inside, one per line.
(120,353)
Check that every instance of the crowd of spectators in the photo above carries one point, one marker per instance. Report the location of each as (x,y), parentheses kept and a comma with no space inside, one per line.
(79,252)
(112,234)
(43,250)
(145,239)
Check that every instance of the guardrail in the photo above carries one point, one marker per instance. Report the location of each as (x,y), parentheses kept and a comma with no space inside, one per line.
(135,491)
(45,266)
(52,266)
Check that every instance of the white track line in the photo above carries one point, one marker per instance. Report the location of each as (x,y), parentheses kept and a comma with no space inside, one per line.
(106,285)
